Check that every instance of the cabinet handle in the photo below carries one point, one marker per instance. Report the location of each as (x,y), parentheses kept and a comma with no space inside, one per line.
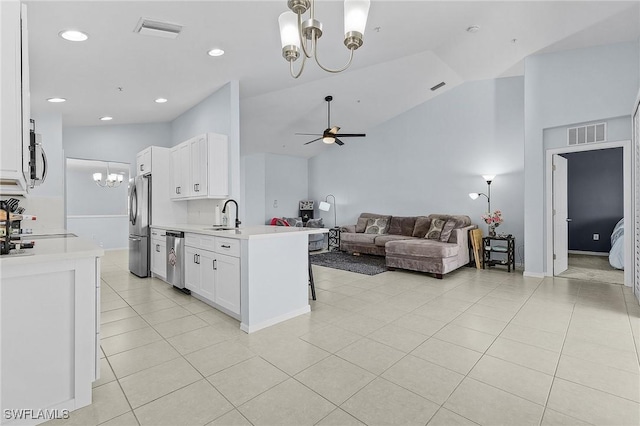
(141,167)
(215,267)
(198,259)
(158,248)
(195,258)
(225,246)
(154,233)
(179,189)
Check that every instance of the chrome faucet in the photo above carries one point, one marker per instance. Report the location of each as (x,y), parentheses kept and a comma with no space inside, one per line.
(224,210)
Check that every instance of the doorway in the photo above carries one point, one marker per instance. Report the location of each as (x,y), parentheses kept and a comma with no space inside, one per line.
(557,225)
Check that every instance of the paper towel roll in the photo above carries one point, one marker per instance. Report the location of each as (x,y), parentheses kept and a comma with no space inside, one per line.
(216,219)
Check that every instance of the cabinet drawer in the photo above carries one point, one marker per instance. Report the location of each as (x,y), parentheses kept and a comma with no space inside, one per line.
(206,242)
(158,234)
(228,246)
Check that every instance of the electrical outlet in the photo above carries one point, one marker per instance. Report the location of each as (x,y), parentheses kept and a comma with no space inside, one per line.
(275,204)
(596,237)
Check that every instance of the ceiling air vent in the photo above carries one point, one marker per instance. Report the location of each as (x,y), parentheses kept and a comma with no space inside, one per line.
(587,134)
(157,28)
(437,86)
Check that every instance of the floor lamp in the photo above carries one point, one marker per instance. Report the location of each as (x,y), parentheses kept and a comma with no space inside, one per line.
(325,206)
(475,195)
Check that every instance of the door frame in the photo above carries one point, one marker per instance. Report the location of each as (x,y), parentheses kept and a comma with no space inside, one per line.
(627,160)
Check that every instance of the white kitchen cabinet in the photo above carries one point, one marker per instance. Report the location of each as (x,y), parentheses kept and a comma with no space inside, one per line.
(200,168)
(227,282)
(159,253)
(143,162)
(14,99)
(200,273)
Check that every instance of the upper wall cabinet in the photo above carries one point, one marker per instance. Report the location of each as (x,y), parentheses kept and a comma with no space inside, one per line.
(14,99)
(143,162)
(200,168)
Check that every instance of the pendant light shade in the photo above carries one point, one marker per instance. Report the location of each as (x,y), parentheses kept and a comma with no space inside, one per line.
(289,29)
(355,15)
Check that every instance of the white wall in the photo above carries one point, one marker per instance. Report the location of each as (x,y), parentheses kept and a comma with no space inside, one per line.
(428,159)
(286,180)
(254,187)
(562,88)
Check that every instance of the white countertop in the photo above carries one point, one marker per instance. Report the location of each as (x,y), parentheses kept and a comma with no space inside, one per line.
(53,249)
(250,232)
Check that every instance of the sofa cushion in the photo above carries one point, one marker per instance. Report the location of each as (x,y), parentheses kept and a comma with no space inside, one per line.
(402,225)
(447,230)
(422,248)
(294,221)
(435,229)
(377,226)
(364,217)
(381,240)
(358,238)
(461,220)
(421,227)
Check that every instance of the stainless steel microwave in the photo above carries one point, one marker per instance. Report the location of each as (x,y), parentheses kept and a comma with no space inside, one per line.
(37,158)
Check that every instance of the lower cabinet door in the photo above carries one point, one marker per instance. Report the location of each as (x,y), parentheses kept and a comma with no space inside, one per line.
(227,280)
(208,264)
(159,257)
(192,269)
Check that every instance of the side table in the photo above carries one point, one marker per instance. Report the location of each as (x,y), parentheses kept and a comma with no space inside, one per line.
(499,244)
(334,239)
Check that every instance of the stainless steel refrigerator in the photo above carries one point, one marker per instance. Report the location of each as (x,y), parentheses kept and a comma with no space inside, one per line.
(139,220)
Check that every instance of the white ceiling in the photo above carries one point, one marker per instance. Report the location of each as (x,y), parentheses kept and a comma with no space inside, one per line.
(418,44)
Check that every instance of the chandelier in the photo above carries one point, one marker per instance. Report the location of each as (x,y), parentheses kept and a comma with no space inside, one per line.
(298,35)
(112,180)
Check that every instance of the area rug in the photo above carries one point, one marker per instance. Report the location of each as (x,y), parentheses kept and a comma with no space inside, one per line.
(363,264)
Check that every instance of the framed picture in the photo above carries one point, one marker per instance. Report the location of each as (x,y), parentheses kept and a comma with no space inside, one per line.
(306,205)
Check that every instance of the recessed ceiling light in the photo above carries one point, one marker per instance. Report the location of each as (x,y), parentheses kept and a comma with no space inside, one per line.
(473,29)
(161,100)
(73,35)
(106,118)
(216,52)
(56,100)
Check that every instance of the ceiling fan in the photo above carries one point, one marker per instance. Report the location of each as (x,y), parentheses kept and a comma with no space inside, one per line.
(330,134)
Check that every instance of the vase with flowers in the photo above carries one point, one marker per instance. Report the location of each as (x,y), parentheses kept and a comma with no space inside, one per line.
(493,220)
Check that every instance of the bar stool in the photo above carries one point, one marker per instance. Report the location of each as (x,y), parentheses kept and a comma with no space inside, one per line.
(313,287)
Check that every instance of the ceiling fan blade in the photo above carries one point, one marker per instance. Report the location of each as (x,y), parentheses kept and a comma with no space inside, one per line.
(309,134)
(339,142)
(350,135)
(313,141)
(334,130)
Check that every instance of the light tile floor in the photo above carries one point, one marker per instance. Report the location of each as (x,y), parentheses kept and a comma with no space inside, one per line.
(478,347)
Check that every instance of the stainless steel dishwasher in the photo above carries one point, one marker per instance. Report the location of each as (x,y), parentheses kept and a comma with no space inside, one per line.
(175,260)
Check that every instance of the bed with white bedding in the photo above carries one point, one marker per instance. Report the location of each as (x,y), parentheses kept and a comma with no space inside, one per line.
(616,255)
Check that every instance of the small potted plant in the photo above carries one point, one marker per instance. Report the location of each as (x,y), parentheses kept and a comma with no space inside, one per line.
(493,220)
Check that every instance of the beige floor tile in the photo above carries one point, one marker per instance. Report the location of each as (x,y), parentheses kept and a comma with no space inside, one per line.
(419,324)
(382,312)
(129,340)
(213,316)
(591,405)
(371,296)
(289,403)
(140,296)
(331,338)
(143,357)
(108,402)
(122,326)
(165,315)
(598,376)
(503,304)
(398,337)
(410,300)
(437,313)
(554,418)
(521,381)
(382,402)
(110,305)
(480,323)
(150,384)
(526,355)
(335,379)
(199,402)
(623,360)
(291,355)
(154,305)
(466,337)
(106,374)
(534,337)
(339,417)
(178,326)
(371,355)
(117,314)
(200,338)
(360,324)
(448,355)
(217,357)
(612,339)
(450,302)
(232,418)
(126,419)
(445,417)
(485,404)
(197,306)
(428,380)
(491,312)
(327,313)
(245,380)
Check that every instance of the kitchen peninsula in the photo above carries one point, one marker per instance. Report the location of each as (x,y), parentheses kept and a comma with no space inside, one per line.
(256,274)
(50,325)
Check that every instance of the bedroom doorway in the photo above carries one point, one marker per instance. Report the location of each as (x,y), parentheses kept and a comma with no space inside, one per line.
(591,260)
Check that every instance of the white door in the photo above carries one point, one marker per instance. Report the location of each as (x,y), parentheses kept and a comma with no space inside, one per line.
(560,215)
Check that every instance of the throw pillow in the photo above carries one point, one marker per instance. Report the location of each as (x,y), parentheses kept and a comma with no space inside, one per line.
(435,230)
(362,224)
(377,226)
(315,223)
(294,221)
(421,227)
(447,230)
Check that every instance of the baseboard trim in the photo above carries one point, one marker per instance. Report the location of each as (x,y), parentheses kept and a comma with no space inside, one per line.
(534,274)
(588,253)
(264,324)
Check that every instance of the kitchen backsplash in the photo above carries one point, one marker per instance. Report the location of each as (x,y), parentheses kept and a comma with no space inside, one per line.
(202,212)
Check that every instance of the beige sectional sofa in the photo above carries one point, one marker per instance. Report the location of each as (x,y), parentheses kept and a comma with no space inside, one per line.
(403,241)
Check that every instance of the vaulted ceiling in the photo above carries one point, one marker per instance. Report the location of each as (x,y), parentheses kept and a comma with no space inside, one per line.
(409,46)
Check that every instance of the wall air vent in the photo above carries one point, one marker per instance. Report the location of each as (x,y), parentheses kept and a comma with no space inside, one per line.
(437,86)
(157,28)
(587,134)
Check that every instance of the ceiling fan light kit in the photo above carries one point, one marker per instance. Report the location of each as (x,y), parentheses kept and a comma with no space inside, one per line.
(295,33)
(330,134)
